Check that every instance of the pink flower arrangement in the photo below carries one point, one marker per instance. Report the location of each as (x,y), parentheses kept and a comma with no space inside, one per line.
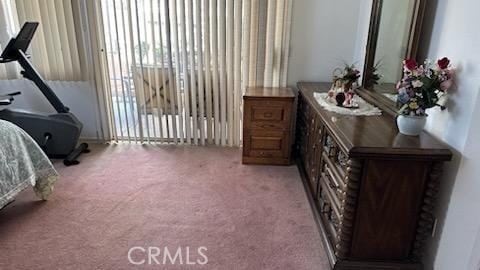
(423,86)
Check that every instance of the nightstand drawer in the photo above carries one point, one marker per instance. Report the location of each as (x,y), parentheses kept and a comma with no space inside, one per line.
(268,114)
(266,144)
(272,112)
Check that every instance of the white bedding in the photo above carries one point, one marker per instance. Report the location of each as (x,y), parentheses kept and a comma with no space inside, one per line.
(23,164)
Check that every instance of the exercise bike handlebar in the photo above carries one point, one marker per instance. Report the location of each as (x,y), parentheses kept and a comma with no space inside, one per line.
(32,74)
(16,51)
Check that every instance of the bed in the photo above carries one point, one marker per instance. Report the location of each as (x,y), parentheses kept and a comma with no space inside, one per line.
(23,164)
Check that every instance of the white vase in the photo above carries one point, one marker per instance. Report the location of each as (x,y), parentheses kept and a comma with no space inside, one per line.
(411,125)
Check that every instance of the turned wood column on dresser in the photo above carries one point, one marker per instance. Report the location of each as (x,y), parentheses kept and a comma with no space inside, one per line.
(268,125)
(371,189)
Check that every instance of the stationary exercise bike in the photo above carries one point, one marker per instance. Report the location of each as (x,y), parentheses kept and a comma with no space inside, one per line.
(57,134)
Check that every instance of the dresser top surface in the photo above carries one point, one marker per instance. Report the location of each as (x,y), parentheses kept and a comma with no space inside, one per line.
(373,135)
(271,92)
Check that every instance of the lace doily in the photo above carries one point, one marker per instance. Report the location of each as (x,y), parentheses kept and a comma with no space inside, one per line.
(364,108)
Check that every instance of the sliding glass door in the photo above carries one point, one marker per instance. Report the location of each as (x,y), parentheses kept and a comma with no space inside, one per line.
(175,70)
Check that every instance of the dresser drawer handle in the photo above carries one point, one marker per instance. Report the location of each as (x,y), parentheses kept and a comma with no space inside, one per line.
(334,221)
(326,209)
(268,115)
(331,182)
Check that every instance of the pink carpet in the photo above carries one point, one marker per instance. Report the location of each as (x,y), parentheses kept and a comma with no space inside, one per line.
(119,197)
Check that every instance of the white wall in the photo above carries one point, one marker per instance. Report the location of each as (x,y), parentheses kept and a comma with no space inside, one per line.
(80,97)
(324,34)
(452,30)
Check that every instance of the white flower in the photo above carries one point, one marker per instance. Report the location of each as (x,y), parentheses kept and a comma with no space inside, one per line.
(417,84)
(428,73)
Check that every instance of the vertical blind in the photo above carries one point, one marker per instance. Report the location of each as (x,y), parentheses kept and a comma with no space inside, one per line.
(56,49)
(176,70)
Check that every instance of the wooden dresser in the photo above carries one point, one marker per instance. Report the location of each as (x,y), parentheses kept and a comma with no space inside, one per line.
(268,125)
(372,190)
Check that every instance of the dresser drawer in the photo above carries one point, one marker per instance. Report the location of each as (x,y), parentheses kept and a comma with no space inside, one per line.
(277,113)
(338,159)
(333,179)
(266,143)
(315,155)
(325,194)
(328,214)
(304,111)
(312,138)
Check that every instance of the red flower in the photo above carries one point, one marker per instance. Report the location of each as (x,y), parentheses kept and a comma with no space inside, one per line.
(443,63)
(410,64)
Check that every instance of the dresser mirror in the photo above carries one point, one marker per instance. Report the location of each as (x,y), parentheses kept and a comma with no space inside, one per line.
(393,36)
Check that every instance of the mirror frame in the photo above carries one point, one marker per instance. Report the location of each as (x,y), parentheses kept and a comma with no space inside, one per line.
(416,23)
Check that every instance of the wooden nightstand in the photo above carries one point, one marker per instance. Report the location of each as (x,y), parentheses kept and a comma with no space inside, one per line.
(268,125)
